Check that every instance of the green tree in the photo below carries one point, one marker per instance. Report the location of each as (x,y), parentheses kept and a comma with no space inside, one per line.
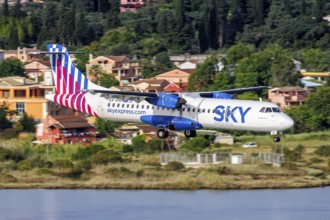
(48,30)
(316,60)
(27,122)
(196,144)
(203,77)
(139,143)
(163,63)
(314,114)
(106,127)
(13,41)
(108,80)
(4,113)
(238,52)
(11,67)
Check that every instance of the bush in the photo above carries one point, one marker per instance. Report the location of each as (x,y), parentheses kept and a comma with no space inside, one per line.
(174,166)
(8,133)
(323,151)
(196,144)
(127,148)
(105,157)
(75,172)
(315,160)
(139,173)
(62,164)
(84,164)
(33,162)
(85,152)
(223,170)
(11,154)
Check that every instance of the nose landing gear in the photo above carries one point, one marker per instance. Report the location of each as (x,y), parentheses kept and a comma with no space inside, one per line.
(277,136)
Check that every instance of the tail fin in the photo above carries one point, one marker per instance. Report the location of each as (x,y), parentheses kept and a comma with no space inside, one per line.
(70,83)
(68,79)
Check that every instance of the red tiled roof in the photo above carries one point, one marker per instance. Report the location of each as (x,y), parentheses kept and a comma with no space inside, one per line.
(70,121)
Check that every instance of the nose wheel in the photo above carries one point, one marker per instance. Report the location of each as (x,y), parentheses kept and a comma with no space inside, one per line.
(277,139)
(277,136)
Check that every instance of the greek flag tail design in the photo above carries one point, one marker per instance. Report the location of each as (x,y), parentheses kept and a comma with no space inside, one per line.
(70,83)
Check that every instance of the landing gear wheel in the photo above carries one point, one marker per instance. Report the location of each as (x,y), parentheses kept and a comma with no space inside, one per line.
(162,133)
(276,139)
(190,133)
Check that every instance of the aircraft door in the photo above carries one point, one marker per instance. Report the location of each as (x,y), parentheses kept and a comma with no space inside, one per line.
(100,107)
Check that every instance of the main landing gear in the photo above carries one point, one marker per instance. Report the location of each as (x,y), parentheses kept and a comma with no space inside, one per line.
(163,133)
(190,133)
(277,136)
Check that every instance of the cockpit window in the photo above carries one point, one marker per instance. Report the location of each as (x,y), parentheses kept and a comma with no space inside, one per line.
(262,110)
(276,110)
(268,110)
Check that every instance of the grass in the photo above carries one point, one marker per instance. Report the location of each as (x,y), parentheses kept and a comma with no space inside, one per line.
(139,171)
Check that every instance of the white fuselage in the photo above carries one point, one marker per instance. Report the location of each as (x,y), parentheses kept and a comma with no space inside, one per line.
(211,113)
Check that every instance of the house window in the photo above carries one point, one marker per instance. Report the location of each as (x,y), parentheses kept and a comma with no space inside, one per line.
(20,93)
(20,108)
(5,93)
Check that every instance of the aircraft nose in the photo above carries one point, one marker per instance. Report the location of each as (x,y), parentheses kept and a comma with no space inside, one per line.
(287,122)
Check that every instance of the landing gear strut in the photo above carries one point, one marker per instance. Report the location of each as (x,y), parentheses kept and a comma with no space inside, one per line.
(162,133)
(277,136)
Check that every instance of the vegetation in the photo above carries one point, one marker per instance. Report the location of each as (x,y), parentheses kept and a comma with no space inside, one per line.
(107,165)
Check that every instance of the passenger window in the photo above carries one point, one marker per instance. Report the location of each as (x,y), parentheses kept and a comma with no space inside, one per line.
(142,107)
(137,106)
(123,105)
(118,105)
(188,110)
(113,104)
(127,105)
(157,108)
(213,111)
(153,107)
(268,110)
(262,109)
(147,106)
(132,105)
(183,109)
(193,110)
(208,111)
(203,110)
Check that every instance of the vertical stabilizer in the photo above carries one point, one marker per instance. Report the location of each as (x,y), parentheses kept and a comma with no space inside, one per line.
(67,77)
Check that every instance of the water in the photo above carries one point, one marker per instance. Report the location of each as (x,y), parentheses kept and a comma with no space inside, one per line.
(152,204)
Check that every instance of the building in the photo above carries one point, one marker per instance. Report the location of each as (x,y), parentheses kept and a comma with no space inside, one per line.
(149,85)
(66,129)
(25,95)
(123,69)
(128,131)
(23,54)
(174,76)
(131,5)
(176,87)
(288,96)
(196,59)
(39,69)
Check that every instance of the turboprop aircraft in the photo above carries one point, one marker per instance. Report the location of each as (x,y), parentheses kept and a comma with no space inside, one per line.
(184,111)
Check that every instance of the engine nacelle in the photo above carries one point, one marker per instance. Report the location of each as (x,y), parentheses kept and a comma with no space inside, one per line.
(167,101)
(221,95)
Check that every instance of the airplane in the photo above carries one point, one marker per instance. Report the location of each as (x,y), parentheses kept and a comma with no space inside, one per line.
(183,111)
